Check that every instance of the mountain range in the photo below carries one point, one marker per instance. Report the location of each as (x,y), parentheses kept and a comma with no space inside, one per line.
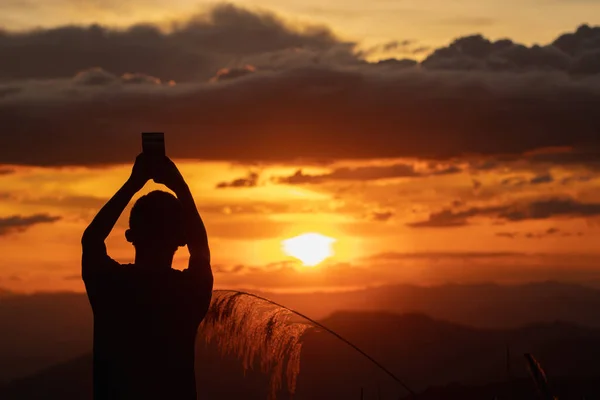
(471,337)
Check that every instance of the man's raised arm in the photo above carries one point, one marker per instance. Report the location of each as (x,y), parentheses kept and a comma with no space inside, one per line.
(197,239)
(94,249)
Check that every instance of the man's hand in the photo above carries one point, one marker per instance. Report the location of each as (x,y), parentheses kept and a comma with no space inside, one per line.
(168,175)
(141,172)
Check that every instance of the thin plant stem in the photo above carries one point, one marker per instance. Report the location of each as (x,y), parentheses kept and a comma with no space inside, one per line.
(364,354)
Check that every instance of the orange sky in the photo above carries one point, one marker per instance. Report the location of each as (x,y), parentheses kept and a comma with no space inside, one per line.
(247,224)
(474,162)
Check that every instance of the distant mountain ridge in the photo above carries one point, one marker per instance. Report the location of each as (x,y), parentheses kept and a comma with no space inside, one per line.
(425,351)
(481,305)
(45,329)
(421,350)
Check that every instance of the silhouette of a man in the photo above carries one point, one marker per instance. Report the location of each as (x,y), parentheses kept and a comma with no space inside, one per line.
(146,314)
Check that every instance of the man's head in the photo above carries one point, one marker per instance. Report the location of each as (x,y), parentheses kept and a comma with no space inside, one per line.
(156,223)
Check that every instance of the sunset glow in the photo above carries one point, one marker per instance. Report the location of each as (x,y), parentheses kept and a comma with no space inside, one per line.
(319,124)
(310,248)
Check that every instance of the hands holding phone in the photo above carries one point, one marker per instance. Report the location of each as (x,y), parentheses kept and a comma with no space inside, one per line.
(160,169)
(153,164)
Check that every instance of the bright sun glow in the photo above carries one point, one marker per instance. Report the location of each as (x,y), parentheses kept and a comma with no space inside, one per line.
(310,248)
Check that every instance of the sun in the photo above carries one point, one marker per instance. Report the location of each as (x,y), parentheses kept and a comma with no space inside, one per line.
(310,248)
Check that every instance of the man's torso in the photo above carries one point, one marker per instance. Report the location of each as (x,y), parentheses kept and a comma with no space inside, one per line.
(145,325)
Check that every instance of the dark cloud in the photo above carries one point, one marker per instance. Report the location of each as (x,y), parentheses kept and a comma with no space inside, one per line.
(397,44)
(458,203)
(138,78)
(309,98)
(8,90)
(543,178)
(353,114)
(420,50)
(367,173)
(538,235)
(452,169)
(233,73)
(94,77)
(487,164)
(542,158)
(543,209)
(521,181)
(446,219)
(299,178)
(584,47)
(231,37)
(394,63)
(575,53)
(588,157)
(513,181)
(18,223)
(197,49)
(382,215)
(534,210)
(407,46)
(6,171)
(391,46)
(352,174)
(250,181)
(99,77)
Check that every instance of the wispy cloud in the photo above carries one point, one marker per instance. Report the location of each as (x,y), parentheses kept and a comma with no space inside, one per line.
(18,223)
(534,210)
(250,181)
(366,173)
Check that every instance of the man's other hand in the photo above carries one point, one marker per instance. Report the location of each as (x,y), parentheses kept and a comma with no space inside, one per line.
(168,175)
(141,172)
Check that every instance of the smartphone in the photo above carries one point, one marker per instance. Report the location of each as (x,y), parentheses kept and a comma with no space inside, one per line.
(153,144)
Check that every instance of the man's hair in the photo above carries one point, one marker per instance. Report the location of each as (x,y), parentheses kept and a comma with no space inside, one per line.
(157,215)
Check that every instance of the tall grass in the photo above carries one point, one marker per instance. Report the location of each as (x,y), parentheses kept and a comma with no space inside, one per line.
(260,331)
(539,378)
(257,332)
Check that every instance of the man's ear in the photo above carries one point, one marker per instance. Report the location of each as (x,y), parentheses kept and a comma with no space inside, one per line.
(129,235)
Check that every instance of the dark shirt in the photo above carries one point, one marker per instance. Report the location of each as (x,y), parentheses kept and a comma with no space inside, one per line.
(145,324)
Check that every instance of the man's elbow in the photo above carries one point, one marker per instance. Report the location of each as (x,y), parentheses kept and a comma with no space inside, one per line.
(85,238)
(89,238)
